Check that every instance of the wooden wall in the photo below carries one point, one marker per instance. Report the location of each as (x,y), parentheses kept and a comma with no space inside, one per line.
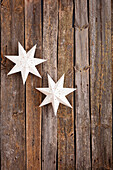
(76,38)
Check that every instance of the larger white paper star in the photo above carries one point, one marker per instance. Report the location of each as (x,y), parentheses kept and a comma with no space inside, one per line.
(25,62)
(56,93)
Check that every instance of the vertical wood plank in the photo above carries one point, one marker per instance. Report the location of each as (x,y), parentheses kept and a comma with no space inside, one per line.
(33,35)
(101,75)
(112,70)
(112,51)
(82,83)
(12,89)
(66,158)
(49,121)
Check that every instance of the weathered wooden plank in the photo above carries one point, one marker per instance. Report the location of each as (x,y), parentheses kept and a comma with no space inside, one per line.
(66,158)
(112,44)
(82,83)
(33,35)
(101,75)
(12,89)
(49,121)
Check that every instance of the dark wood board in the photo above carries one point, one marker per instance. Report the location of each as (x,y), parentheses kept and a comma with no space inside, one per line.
(33,35)
(12,89)
(100,80)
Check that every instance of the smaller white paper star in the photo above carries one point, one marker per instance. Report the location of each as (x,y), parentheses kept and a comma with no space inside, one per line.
(56,94)
(25,62)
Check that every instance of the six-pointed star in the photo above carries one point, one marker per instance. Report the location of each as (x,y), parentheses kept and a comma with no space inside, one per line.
(25,62)
(56,93)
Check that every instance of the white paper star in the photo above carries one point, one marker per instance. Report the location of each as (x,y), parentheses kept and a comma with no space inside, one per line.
(56,93)
(25,62)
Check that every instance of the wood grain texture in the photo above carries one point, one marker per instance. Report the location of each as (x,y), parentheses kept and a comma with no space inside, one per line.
(112,69)
(29,136)
(66,158)
(82,84)
(12,89)
(101,75)
(49,121)
(33,35)
(112,46)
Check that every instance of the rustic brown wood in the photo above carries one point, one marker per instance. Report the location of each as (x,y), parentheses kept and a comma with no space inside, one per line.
(33,35)
(12,89)
(66,158)
(40,132)
(82,84)
(112,69)
(49,121)
(112,44)
(101,96)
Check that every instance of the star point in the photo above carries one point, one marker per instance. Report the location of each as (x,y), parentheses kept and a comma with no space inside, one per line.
(55,94)
(25,62)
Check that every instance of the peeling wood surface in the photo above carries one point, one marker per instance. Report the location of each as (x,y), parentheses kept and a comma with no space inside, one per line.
(101,75)
(33,35)
(12,89)
(82,83)
(49,121)
(66,158)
